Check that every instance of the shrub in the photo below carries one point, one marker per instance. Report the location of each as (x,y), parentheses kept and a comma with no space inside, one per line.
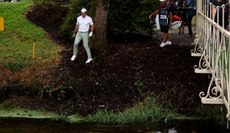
(124,16)
(73,13)
(130,15)
(48,16)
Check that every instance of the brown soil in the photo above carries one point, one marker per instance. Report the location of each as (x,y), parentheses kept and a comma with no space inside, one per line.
(118,78)
(124,75)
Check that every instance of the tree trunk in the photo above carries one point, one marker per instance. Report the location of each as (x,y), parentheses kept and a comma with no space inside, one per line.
(99,12)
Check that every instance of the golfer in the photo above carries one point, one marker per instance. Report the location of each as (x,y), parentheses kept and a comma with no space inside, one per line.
(83,30)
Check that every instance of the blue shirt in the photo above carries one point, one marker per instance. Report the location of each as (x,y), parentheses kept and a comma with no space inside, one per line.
(190,4)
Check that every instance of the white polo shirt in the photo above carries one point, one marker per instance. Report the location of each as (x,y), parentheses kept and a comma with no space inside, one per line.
(84,23)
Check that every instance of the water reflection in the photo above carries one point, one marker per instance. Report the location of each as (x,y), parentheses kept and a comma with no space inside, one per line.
(173,130)
(191,129)
(45,126)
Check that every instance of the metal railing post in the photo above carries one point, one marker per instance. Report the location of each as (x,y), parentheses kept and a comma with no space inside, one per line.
(214,44)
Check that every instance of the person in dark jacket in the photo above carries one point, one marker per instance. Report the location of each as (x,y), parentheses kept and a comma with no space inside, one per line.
(165,19)
(181,6)
(190,12)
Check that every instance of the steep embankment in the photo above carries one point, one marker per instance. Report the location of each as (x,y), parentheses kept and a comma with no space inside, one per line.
(118,79)
(127,73)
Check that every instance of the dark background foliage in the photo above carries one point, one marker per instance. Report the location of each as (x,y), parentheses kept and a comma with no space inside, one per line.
(129,16)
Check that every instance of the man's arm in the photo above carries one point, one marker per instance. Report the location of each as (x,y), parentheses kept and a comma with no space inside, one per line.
(76,28)
(92,28)
(213,12)
(154,13)
(213,9)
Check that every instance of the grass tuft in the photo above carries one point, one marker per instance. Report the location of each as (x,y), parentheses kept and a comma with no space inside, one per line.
(147,111)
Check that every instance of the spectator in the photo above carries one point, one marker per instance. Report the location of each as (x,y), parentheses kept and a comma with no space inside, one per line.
(190,12)
(165,20)
(182,13)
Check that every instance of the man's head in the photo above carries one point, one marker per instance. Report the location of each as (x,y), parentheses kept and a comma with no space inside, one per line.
(163,3)
(83,12)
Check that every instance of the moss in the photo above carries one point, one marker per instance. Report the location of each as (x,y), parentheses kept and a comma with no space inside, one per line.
(26,113)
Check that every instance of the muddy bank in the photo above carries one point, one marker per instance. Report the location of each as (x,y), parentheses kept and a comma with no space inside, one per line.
(130,70)
(119,78)
(127,73)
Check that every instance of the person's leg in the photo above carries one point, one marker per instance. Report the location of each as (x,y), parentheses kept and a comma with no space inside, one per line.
(184,21)
(190,24)
(76,42)
(166,40)
(165,31)
(165,37)
(85,38)
(181,29)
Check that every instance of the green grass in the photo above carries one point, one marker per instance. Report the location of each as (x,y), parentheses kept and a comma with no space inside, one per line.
(144,112)
(19,35)
(147,111)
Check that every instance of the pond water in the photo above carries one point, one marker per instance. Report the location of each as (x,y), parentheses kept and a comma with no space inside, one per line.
(45,126)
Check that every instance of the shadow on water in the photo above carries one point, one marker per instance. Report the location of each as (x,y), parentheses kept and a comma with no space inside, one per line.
(46,126)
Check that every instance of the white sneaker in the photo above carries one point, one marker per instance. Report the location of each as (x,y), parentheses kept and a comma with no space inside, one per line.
(162,44)
(89,60)
(73,57)
(168,43)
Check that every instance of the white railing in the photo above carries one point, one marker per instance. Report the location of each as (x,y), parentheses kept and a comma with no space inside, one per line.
(212,45)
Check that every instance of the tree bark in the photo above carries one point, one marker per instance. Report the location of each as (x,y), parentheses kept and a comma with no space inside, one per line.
(99,12)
